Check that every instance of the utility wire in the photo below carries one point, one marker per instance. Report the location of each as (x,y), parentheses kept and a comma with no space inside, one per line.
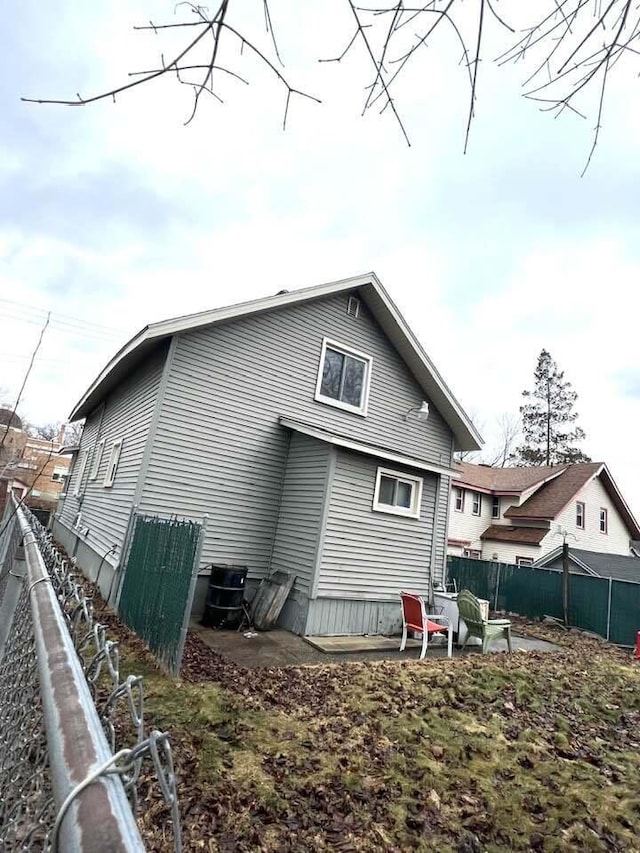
(24,381)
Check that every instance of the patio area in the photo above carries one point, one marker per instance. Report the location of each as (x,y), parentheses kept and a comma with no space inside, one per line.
(279,648)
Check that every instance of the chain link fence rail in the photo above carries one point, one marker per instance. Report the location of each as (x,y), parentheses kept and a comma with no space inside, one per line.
(65,783)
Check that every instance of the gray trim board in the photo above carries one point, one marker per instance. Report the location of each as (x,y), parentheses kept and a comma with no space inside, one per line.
(326,507)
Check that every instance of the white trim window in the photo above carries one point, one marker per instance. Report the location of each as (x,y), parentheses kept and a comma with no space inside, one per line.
(343,377)
(495,507)
(476,507)
(604,520)
(580,514)
(112,465)
(524,561)
(458,497)
(397,493)
(59,473)
(97,459)
(79,474)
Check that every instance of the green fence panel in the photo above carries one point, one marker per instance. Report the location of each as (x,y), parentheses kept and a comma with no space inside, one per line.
(478,576)
(157,581)
(588,603)
(529,592)
(536,593)
(625,612)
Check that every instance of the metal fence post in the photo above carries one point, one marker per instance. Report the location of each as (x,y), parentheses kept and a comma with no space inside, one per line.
(191,593)
(495,601)
(609,610)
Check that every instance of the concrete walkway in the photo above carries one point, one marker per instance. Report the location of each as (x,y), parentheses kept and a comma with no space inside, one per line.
(281,648)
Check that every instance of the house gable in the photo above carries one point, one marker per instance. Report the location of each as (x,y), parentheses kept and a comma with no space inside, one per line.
(219,430)
(369,291)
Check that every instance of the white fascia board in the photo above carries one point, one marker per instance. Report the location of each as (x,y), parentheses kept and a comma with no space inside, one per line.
(367,449)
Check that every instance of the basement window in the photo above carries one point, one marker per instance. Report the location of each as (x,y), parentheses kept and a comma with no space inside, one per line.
(397,493)
(112,466)
(343,377)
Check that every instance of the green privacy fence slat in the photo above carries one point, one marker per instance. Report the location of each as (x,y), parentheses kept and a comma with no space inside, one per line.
(157,580)
(530,592)
(625,612)
(538,592)
(588,603)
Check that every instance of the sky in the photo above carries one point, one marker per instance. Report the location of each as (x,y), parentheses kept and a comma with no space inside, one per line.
(116,215)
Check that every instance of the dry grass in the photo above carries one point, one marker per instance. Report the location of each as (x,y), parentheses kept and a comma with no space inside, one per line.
(525,752)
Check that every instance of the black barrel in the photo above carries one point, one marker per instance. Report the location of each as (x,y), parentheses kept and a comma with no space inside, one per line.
(223,607)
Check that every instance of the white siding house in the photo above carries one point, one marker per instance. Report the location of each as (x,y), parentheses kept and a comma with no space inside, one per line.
(292,424)
(518,515)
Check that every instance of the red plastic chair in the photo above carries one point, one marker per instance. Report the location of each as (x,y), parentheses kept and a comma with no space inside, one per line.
(415,618)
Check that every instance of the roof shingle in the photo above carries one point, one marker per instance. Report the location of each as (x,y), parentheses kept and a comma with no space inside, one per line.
(521,535)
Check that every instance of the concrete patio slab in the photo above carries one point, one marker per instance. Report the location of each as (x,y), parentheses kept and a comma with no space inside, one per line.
(280,648)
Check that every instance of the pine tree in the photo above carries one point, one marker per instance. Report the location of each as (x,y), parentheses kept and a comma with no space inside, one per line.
(548,419)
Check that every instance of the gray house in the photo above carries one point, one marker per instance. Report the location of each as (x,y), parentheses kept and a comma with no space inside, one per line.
(297,424)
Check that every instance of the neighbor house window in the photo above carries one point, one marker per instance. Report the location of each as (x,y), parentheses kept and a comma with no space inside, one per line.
(79,474)
(495,507)
(112,466)
(459,500)
(524,561)
(97,459)
(397,493)
(471,553)
(58,474)
(476,508)
(343,378)
(604,520)
(580,515)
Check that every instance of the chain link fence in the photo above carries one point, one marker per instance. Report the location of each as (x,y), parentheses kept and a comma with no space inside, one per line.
(66,781)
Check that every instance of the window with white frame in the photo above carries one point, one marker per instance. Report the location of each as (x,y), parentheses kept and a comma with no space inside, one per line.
(476,508)
(397,493)
(604,520)
(79,472)
(112,465)
(59,473)
(458,500)
(343,377)
(471,553)
(97,459)
(495,507)
(580,515)
(524,561)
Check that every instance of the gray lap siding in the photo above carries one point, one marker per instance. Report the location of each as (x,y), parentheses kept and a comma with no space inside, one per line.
(368,554)
(126,414)
(218,446)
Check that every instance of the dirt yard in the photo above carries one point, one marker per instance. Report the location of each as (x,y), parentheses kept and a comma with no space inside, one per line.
(533,751)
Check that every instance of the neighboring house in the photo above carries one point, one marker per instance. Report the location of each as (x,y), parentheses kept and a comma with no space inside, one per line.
(38,463)
(617,566)
(518,515)
(296,424)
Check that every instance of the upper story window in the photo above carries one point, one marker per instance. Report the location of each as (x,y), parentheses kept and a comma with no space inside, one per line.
(476,508)
(604,520)
(458,498)
(397,493)
(112,465)
(59,473)
(495,507)
(343,377)
(580,515)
